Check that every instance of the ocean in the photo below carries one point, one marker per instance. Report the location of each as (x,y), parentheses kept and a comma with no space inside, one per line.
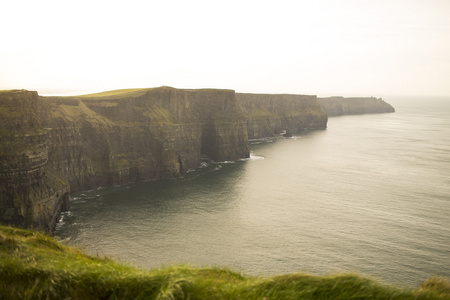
(368,195)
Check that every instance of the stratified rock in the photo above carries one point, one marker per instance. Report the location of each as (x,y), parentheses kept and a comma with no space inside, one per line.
(31,195)
(148,134)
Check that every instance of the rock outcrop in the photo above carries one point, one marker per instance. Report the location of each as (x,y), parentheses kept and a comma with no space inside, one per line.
(269,114)
(338,106)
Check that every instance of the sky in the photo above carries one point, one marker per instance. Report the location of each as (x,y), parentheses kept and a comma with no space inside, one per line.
(320,47)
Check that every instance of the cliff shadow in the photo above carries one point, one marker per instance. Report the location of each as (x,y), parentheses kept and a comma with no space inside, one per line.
(209,146)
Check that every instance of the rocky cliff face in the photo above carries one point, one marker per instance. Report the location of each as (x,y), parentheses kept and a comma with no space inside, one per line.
(269,115)
(31,195)
(149,134)
(338,106)
(53,145)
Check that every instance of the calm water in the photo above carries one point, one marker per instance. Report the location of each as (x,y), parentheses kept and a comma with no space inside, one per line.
(371,194)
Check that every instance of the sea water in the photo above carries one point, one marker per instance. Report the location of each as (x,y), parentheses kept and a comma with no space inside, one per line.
(369,195)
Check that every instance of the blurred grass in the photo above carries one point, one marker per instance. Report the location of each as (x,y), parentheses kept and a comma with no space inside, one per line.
(35,266)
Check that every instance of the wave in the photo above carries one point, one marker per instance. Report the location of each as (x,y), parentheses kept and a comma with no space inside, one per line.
(256,157)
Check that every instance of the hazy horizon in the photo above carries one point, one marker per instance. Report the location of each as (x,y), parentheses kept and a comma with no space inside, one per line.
(79,92)
(324,48)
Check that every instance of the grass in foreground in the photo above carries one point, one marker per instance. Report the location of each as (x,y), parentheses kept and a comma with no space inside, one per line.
(35,266)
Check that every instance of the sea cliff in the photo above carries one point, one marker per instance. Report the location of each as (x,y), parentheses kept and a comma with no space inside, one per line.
(51,146)
(31,194)
(143,135)
(338,106)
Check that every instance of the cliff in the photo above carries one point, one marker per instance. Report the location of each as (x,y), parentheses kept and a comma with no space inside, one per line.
(269,115)
(53,145)
(143,135)
(31,195)
(338,106)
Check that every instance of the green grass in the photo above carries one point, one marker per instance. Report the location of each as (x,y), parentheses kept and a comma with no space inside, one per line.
(77,113)
(122,92)
(35,266)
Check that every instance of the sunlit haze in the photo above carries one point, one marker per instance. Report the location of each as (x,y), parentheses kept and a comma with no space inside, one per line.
(325,47)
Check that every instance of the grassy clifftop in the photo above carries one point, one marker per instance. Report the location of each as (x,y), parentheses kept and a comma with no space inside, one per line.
(117,93)
(35,266)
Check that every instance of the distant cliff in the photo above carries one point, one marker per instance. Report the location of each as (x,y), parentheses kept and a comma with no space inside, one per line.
(338,106)
(269,114)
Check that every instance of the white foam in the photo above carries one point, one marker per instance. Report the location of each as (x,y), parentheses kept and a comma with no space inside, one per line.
(256,157)
(61,220)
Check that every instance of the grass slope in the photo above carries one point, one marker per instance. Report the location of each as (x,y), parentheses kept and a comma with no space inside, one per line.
(35,266)
(115,93)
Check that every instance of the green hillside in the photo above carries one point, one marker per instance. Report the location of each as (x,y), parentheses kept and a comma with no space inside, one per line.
(35,266)
(115,93)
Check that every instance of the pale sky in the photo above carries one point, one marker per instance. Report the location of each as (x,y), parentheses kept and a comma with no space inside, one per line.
(320,47)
